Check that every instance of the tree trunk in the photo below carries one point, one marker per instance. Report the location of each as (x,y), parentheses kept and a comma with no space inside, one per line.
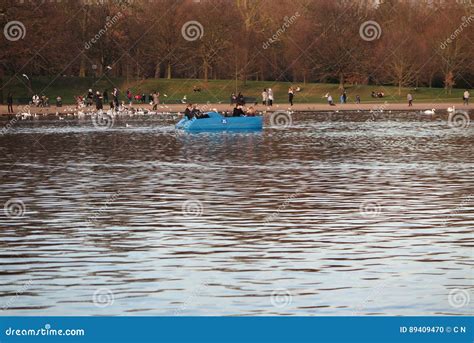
(168,71)
(1,90)
(157,70)
(205,67)
(84,25)
(341,80)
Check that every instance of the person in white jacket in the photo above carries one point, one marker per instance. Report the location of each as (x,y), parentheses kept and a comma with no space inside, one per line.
(264,97)
(270,97)
(466,97)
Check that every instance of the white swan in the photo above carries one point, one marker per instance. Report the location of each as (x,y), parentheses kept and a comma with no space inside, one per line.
(432,111)
(451,109)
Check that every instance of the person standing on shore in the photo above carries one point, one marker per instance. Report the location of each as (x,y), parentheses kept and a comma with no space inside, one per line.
(10,102)
(98,101)
(357,99)
(291,94)
(129,96)
(156,100)
(115,94)
(410,99)
(89,98)
(330,101)
(264,97)
(466,97)
(270,97)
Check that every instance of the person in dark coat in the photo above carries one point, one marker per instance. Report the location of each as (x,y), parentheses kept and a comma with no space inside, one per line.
(98,101)
(238,111)
(10,102)
(187,112)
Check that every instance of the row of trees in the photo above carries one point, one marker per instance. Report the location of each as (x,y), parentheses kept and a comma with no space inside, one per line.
(405,43)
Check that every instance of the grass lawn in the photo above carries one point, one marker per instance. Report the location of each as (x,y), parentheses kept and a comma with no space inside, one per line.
(215,91)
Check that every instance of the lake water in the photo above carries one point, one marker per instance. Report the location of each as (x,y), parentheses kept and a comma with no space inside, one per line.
(335,214)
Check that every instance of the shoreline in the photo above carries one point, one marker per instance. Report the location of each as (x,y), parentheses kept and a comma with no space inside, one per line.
(305,107)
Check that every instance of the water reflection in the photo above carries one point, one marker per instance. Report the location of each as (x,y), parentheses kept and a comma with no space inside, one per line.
(329,217)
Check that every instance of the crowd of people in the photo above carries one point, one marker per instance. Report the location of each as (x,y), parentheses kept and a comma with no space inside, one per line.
(98,99)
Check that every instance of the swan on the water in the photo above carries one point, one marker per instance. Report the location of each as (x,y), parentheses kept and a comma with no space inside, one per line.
(451,109)
(432,111)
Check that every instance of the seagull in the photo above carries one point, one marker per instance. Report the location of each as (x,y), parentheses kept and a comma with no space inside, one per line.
(451,109)
(432,111)
(26,77)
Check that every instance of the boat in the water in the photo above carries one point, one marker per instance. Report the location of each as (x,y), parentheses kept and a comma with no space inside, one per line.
(215,121)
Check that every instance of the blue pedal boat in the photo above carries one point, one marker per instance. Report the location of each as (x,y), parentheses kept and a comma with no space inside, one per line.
(218,122)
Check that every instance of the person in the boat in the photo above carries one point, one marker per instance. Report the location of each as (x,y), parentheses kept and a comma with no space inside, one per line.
(187,112)
(251,112)
(238,111)
(195,112)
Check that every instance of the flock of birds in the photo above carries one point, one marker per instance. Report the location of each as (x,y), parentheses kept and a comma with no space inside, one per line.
(73,113)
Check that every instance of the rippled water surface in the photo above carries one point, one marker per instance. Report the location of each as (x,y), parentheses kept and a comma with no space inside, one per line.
(330,216)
